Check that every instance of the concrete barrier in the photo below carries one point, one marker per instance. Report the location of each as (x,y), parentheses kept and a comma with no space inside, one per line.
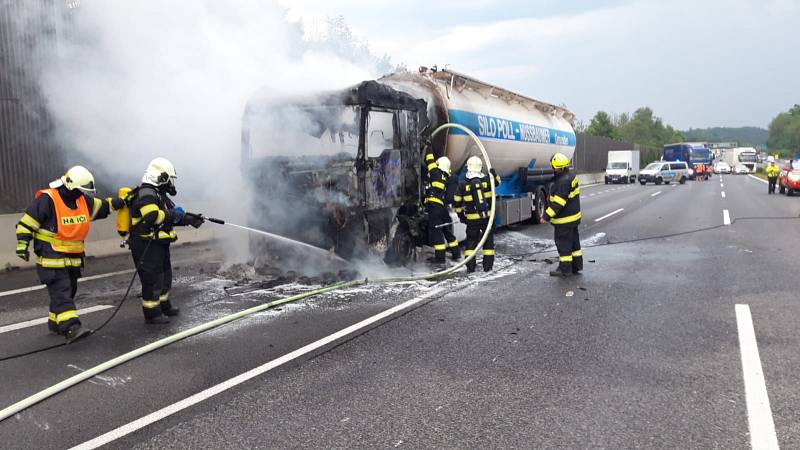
(103,239)
(591,178)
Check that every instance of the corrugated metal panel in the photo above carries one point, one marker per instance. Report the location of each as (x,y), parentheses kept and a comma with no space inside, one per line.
(29,154)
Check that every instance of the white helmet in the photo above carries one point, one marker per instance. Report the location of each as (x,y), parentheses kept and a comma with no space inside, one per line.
(474,164)
(78,178)
(159,172)
(770,159)
(443,163)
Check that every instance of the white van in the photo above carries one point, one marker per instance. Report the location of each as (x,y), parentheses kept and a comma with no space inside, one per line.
(664,172)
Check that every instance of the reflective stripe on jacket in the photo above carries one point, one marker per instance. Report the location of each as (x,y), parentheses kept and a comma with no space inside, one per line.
(565,201)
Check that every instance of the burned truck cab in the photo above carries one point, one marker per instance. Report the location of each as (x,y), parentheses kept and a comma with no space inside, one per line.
(338,170)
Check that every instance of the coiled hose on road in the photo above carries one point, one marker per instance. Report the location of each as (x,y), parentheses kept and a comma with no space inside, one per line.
(85,375)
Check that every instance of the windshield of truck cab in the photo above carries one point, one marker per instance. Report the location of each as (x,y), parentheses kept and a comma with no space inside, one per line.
(700,155)
(748,157)
(305,131)
(653,166)
(617,165)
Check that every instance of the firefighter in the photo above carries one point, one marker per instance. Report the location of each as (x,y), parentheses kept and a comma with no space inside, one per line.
(58,222)
(772,175)
(440,236)
(564,213)
(153,217)
(473,203)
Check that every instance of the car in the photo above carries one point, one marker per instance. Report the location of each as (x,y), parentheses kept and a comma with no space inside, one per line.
(722,167)
(740,169)
(665,172)
(789,178)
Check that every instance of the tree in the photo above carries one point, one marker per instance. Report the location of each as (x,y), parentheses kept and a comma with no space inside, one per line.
(784,131)
(601,125)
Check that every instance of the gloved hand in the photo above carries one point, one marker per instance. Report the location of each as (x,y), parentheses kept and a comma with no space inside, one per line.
(493,172)
(462,217)
(116,203)
(22,250)
(175,215)
(194,220)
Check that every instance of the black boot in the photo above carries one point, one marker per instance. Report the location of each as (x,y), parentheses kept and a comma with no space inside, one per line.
(157,320)
(76,332)
(171,312)
(455,253)
(559,273)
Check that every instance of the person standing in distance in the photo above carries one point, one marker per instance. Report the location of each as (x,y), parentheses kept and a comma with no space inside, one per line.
(564,213)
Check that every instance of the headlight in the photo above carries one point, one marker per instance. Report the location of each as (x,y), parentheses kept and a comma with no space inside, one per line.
(794,177)
(691,172)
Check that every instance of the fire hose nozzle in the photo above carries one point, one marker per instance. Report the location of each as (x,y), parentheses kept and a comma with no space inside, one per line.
(219,221)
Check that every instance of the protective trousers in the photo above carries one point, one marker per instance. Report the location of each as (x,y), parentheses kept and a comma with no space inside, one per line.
(772,182)
(155,272)
(475,230)
(62,285)
(441,238)
(568,244)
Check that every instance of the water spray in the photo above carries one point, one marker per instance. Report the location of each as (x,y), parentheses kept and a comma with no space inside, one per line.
(279,238)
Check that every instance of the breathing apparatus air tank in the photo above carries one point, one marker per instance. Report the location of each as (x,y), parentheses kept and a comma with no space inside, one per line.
(124,214)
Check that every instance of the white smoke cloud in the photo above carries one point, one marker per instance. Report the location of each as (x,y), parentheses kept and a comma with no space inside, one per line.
(141,79)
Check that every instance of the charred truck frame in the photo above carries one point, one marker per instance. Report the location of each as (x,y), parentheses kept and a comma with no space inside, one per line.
(343,170)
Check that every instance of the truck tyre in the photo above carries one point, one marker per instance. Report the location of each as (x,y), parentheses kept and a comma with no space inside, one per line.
(606,180)
(642,182)
(683,180)
(659,180)
(539,205)
(401,249)
(789,192)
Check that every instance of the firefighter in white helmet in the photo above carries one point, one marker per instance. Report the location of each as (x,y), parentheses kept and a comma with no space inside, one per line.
(57,222)
(440,235)
(153,218)
(473,203)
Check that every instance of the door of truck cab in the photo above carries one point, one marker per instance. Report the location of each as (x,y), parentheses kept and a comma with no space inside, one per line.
(383,156)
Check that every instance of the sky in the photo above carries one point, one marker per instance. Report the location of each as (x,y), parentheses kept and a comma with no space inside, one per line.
(696,63)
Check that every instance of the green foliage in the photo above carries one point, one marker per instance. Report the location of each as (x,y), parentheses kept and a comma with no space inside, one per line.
(642,127)
(745,136)
(784,132)
(601,125)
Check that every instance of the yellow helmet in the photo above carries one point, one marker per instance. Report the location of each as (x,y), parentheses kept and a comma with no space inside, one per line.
(79,178)
(559,161)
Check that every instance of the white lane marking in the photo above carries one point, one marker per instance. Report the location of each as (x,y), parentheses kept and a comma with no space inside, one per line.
(759,412)
(721,185)
(252,373)
(609,215)
(726,217)
(591,195)
(655,193)
(34,322)
(723,194)
(81,280)
(759,179)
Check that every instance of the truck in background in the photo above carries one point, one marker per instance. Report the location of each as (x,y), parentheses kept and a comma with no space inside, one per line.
(690,152)
(623,166)
(343,170)
(746,156)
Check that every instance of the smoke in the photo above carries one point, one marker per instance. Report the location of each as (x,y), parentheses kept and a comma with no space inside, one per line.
(135,80)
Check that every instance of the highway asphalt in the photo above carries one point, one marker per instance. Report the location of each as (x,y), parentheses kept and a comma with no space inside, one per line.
(641,351)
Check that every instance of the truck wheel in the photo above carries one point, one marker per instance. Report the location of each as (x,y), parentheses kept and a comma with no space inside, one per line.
(643,182)
(606,180)
(539,205)
(789,192)
(659,180)
(401,249)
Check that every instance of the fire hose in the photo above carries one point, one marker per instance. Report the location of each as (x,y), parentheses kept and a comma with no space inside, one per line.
(98,369)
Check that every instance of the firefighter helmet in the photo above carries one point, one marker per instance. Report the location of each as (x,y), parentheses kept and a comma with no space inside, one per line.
(79,178)
(159,172)
(443,164)
(474,164)
(559,161)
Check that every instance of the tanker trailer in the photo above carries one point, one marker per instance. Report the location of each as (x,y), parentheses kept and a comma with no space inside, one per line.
(343,170)
(520,134)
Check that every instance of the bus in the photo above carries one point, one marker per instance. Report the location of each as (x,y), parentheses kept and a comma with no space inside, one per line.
(691,152)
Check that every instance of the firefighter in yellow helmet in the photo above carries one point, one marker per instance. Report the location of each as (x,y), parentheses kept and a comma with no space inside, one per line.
(564,212)
(57,222)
